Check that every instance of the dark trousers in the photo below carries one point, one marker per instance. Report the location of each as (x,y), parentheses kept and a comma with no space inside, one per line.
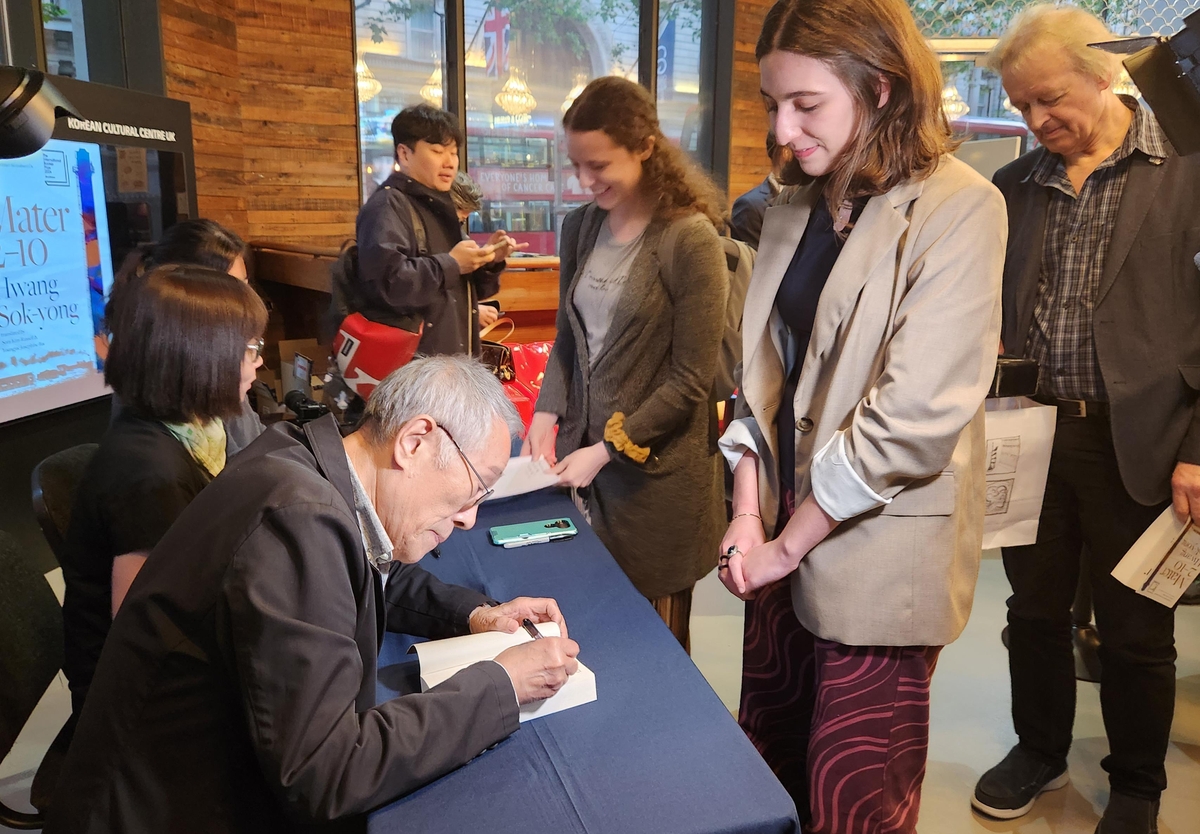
(844,728)
(1086,503)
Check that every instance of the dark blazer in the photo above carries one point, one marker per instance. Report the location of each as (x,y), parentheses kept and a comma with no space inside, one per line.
(661,520)
(394,280)
(1146,319)
(236,691)
(746,221)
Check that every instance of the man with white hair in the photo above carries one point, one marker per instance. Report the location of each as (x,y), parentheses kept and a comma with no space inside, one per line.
(1100,289)
(237,689)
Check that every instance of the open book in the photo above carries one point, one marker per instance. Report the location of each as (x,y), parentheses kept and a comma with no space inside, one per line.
(1164,561)
(440,659)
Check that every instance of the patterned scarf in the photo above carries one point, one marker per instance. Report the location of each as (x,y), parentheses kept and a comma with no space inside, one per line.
(204,441)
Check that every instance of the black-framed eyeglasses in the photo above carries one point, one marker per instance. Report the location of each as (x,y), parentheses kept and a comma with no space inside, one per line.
(254,349)
(487,490)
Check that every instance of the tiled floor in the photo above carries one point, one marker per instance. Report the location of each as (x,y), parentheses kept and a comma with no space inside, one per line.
(970,725)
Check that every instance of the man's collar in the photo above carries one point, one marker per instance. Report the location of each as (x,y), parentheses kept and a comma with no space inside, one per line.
(376,541)
(1144,135)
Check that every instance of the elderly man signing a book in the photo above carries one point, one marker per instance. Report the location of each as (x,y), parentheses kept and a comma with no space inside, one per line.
(237,687)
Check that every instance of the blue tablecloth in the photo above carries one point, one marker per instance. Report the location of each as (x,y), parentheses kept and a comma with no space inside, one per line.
(656,753)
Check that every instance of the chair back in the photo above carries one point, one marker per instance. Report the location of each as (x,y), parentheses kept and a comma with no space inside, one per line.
(31,651)
(55,481)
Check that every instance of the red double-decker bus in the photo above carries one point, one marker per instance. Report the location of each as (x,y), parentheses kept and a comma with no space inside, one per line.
(515,170)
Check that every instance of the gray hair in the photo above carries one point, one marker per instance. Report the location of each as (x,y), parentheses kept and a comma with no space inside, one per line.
(1066,27)
(459,392)
(465,193)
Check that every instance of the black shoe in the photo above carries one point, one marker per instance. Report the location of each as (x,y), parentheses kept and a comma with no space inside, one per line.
(1129,815)
(1008,790)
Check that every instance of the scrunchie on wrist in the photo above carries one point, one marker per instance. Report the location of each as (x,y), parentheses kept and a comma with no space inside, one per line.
(614,433)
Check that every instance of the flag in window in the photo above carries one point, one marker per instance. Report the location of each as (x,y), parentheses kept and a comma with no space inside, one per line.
(496,31)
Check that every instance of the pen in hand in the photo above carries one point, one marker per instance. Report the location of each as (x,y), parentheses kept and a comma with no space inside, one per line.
(531,629)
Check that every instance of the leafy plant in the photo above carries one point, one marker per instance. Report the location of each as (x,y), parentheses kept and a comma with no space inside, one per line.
(52,11)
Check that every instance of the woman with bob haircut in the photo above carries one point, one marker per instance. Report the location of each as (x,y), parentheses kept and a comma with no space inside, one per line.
(629,380)
(869,342)
(186,343)
(202,243)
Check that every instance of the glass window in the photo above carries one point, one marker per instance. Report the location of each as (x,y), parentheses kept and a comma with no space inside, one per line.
(524,66)
(988,18)
(399,64)
(679,108)
(62,30)
(978,107)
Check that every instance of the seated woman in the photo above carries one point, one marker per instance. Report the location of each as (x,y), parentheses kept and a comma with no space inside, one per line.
(202,243)
(185,345)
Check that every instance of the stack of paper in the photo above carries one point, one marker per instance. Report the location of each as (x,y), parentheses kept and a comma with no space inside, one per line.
(440,659)
(1162,563)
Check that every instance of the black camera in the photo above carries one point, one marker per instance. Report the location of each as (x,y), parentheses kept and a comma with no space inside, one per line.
(1167,72)
(29,105)
(304,407)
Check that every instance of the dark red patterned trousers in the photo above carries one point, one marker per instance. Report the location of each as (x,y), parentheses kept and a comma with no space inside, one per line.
(845,728)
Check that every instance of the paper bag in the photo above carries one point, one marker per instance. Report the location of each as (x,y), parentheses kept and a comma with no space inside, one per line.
(1020,434)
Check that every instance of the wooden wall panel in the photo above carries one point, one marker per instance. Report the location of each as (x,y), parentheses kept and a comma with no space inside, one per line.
(271,84)
(748,163)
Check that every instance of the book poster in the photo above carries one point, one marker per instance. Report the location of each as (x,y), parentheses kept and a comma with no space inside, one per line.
(55,267)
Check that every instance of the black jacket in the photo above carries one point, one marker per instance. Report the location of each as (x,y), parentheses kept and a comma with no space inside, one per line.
(748,212)
(395,280)
(1146,315)
(236,691)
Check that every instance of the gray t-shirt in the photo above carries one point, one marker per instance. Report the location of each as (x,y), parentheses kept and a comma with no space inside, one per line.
(601,285)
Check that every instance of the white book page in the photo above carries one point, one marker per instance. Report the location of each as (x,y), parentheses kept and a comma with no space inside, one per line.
(1163,562)
(442,659)
(522,475)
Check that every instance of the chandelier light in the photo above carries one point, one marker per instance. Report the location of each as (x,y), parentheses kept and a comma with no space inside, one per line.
(580,83)
(514,97)
(953,104)
(432,89)
(368,85)
(476,58)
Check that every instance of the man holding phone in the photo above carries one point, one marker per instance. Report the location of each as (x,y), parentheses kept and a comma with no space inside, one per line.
(237,689)
(414,261)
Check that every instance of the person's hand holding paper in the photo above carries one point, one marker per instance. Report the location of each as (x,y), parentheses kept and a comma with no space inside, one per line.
(545,671)
(540,668)
(522,475)
(1185,491)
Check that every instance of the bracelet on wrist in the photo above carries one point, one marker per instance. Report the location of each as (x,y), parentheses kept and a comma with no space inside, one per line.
(739,515)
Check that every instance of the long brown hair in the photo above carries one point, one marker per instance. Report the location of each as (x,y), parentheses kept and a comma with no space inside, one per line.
(859,41)
(625,112)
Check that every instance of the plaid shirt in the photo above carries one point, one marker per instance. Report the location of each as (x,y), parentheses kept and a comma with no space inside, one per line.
(1079,229)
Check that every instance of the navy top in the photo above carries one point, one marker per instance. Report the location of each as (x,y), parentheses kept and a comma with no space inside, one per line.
(796,301)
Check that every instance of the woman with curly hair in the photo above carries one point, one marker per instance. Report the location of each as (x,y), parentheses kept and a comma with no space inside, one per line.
(640,317)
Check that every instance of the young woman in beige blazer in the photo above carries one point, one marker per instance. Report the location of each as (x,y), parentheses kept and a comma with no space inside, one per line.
(895,249)
(628,384)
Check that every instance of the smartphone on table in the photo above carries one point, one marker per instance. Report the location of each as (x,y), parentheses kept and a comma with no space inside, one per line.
(533,532)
